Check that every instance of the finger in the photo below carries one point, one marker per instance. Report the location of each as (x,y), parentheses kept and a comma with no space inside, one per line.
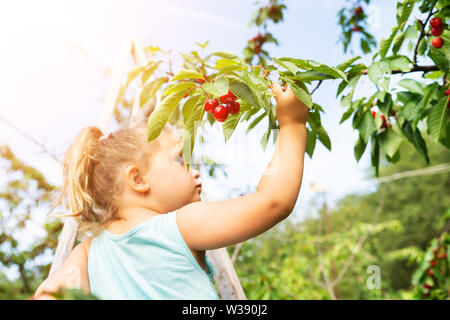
(288,90)
(276,88)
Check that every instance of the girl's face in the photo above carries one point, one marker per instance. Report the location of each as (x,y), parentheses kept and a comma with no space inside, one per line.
(171,185)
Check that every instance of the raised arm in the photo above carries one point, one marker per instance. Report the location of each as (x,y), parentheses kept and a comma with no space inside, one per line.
(207,225)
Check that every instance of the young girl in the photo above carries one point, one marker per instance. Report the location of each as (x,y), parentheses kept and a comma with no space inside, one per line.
(152,227)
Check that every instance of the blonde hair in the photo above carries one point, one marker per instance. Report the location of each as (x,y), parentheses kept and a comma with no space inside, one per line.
(91,172)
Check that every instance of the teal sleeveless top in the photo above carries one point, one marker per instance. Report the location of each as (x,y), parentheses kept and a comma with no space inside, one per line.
(150,261)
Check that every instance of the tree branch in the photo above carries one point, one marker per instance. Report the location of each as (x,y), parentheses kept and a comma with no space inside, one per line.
(31,139)
(424,69)
(422,33)
(317,87)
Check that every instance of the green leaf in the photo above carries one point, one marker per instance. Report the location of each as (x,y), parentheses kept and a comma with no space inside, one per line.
(222,63)
(377,72)
(412,86)
(229,125)
(174,117)
(189,106)
(150,89)
(385,106)
(400,63)
(385,44)
(366,126)
(203,46)
(181,86)
(440,59)
(265,137)
(410,111)
(375,153)
(312,75)
(133,74)
(407,8)
(324,138)
(149,70)
(230,69)
(301,94)
(190,131)
(255,122)
(310,142)
(423,45)
(187,74)
(360,147)
(218,88)
(351,109)
(316,66)
(243,91)
(159,117)
(395,158)
(288,65)
(414,136)
(437,119)
(347,63)
(224,54)
(390,142)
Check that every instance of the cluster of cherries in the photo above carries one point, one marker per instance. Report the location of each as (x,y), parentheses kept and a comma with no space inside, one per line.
(258,41)
(437,255)
(436,30)
(221,111)
(358,11)
(385,123)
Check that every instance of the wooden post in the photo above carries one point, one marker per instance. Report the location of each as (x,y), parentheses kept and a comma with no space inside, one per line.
(69,233)
(227,282)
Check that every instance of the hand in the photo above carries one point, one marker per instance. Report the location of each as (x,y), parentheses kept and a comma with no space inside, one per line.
(289,108)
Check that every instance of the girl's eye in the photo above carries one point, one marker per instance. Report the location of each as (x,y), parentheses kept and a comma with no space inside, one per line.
(179,158)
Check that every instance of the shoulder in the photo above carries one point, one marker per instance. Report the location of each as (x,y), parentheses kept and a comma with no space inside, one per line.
(85,246)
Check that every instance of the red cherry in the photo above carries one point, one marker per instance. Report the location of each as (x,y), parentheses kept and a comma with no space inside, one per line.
(257,49)
(233,107)
(220,113)
(358,10)
(441,255)
(447,92)
(273,9)
(436,22)
(201,80)
(260,37)
(210,105)
(228,98)
(385,124)
(437,42)
(433,263)
(374,113)
(430,272)
(427,286)
(436,31)
(356,28)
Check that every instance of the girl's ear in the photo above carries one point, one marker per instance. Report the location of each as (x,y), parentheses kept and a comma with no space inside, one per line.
(135,179)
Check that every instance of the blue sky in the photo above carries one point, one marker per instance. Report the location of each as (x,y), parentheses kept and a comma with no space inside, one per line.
(55,58)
